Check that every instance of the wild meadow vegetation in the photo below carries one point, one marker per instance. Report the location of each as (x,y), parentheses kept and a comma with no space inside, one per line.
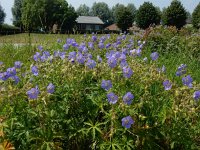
(101,91)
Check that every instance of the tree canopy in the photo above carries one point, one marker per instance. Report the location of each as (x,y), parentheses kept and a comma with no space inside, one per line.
(147,15)
(16,11)
(175,15)
(2,15)
(196,17)
(131,7)
(83,10)
(45,13)
(102,10)
(116,11)
(124,19)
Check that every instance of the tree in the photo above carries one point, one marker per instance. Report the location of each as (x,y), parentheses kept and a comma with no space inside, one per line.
(29,16)
(131,7)
(69,20)
(124,19)
(45,13)
(17,14)
(102,10)
(196,17)
(83,10)
(175,14)
(147,15)
(116,10)
(2,15)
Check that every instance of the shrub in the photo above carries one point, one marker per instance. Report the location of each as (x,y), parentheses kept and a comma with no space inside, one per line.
(8,29)
(147,15)
(196,17)
(175,15)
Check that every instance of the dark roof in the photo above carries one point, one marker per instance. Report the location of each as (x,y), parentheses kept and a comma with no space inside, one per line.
(89,20)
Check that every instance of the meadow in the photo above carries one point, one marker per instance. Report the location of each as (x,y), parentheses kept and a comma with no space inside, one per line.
(100,91)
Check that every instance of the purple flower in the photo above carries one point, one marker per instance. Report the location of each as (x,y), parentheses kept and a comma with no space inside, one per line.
(123,64)
(1,63)
(33,93)
(128,98)
(37,56)
(80,59)
(40,48)
(11,71)
(18,64)
(196,95)
(90,63)
(106,84)
(50,88)
(127,72)
(133,52)
(4,76)
(125,51)
(122,57)
(16,79)
(99,59)
(102,39)
(72,56)
(94,38)
(138,52)
(187,81)
(59,40)
(181,70)
(108,45)
(62,55)
(101,45)
(112,98)
(167,85)
(45,56)
(65,46)
(91,45)
(56,54)
(34,70)
(112,62)
(154,55)
(127,122)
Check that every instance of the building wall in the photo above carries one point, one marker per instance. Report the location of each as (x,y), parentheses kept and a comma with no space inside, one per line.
(89,27)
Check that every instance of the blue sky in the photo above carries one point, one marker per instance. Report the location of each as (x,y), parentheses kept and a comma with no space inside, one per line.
(188,4)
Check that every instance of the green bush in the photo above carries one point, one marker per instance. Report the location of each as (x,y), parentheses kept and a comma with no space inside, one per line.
(147,15)
(8,29)
(196,17)
(175,15)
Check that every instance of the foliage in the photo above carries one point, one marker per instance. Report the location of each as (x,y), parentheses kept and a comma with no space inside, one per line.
(2,15)
(116,10)
(45,13)
(69,20)
(124,19)
(17,14)
(196,17)
(131,7)
(175,15)
(120,101)
(8,29)
(102,10)
(83,10)
(147,15)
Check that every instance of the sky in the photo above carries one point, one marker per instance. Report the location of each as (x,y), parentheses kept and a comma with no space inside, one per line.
(188,4)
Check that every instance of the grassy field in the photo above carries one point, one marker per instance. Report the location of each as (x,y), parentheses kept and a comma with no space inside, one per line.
(100,91)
